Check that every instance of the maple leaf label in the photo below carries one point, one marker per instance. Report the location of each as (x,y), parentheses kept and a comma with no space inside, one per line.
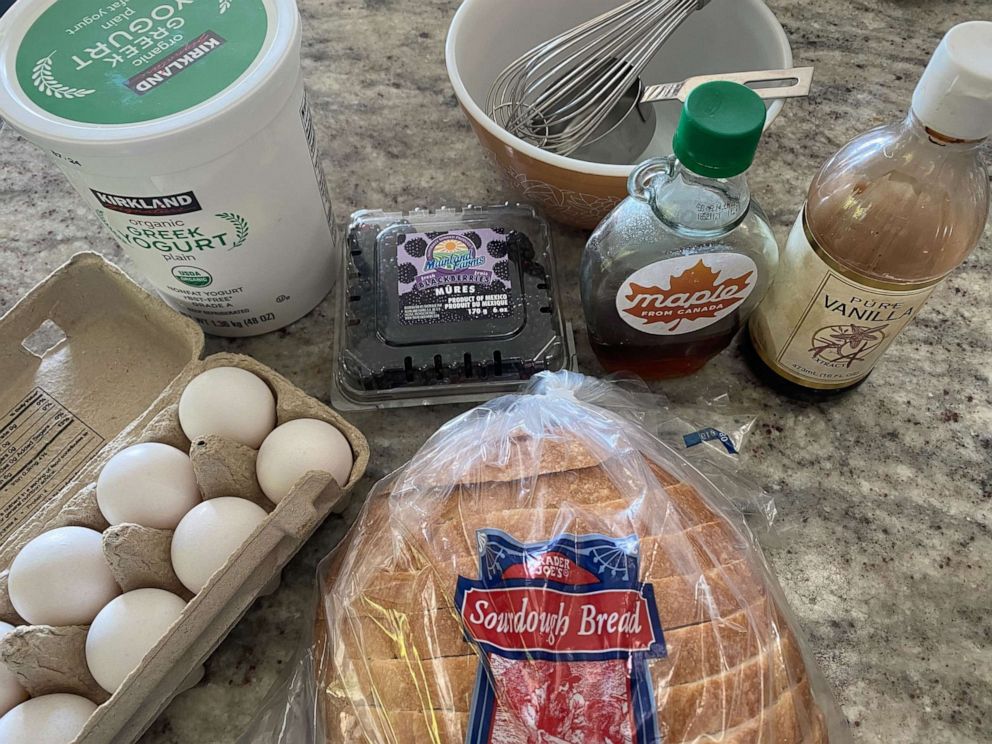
(684,294)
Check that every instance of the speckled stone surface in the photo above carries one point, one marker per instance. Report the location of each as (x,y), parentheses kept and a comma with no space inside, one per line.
(884,496)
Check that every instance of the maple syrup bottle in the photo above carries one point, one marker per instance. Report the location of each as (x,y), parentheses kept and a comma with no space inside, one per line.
(672,274)
(886,219)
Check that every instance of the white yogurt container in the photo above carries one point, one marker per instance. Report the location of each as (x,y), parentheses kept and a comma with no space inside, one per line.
(185,125)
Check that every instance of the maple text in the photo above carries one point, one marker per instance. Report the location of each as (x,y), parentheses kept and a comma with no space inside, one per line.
(683,301)
(695,294)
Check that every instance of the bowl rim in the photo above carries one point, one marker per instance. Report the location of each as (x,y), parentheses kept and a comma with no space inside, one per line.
(560,161)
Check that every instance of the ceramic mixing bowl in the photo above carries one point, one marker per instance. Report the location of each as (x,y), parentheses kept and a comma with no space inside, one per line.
(486,35)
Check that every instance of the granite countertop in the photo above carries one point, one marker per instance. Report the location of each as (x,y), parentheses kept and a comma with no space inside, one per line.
(884,496)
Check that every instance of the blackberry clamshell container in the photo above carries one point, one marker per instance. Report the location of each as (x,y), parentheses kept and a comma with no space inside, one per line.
(446,306)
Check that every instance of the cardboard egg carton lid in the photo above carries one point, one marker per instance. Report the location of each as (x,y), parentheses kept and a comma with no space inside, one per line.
(83,357)
(91,364)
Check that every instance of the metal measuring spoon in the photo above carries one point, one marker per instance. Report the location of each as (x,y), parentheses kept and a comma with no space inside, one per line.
(629,128)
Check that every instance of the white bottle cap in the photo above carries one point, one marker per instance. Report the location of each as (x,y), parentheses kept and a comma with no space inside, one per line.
(954,96)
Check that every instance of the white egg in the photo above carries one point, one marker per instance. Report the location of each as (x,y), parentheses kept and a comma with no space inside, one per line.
(149,484)
(61,578)
(229,402)
(11,692)
(126,630)
(209,534)
(296,448)
(48,719)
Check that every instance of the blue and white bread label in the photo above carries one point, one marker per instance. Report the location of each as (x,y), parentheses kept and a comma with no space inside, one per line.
(564,630)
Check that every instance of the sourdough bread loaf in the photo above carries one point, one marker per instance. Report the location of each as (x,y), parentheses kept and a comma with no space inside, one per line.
(455,609)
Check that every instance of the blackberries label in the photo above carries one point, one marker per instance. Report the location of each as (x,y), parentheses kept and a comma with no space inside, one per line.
(452,277)
(565,630)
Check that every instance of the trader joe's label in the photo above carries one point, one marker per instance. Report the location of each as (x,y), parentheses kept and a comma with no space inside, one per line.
(128,61)
(453,276)
(565,629)
(823,329)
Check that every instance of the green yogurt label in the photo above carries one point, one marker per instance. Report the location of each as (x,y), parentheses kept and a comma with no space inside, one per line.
(129,61)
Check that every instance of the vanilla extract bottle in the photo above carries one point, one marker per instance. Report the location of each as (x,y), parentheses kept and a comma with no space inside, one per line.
(672,274)
(886,219)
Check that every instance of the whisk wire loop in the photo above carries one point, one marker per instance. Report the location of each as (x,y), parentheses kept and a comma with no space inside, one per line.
(559,94)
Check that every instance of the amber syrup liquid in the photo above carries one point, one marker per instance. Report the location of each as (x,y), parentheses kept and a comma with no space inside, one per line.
(675,356)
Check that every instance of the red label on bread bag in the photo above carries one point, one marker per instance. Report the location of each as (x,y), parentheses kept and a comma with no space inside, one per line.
(564,630)
(536,619)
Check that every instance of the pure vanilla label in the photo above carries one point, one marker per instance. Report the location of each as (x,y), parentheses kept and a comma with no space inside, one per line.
(685,294)
(129,61)
(821,328)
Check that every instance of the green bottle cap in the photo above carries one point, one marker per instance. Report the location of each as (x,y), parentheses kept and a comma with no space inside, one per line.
(719,130)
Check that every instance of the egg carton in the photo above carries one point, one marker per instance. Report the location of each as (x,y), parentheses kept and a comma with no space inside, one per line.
(113,377)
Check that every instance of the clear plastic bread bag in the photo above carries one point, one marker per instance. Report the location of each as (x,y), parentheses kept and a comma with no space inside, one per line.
(546,570)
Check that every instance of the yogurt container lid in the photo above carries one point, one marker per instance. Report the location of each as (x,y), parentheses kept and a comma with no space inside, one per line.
(118,70)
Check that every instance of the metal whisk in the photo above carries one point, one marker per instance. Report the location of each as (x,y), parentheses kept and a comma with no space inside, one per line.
(558,94)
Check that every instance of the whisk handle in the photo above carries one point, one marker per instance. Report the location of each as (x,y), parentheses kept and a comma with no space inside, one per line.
(798,79)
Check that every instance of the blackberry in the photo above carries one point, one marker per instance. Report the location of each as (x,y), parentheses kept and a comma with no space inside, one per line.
(407,273)
(416,248)
(498,286)
(474,237)
(499,230)
(420,297)
(502,270)
(432,235)
(401,239)
(521,246)
(498,248)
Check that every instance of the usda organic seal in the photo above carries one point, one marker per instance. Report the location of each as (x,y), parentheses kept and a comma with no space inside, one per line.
(192,276)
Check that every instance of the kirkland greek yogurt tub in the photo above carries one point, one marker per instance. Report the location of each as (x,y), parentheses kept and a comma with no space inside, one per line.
(185,124)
